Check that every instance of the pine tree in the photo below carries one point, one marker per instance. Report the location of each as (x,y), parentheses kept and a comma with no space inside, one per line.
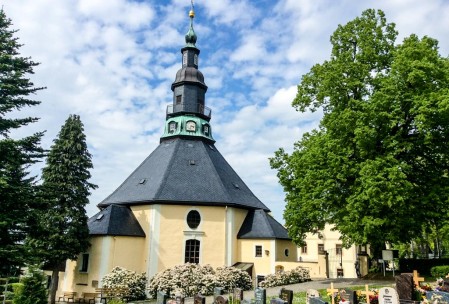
(63,232)
(16,155)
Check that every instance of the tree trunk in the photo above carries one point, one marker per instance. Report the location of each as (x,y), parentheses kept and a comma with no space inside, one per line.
(54,285)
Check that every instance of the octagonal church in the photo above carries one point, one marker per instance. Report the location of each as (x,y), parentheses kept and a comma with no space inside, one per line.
(184,203)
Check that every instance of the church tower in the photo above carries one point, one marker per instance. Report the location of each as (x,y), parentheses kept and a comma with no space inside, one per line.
(188,115)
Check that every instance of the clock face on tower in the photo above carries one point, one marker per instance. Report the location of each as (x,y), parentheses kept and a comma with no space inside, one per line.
(191,126)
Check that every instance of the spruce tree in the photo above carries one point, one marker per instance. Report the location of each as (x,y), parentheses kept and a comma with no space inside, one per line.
(16,154)
(63,233)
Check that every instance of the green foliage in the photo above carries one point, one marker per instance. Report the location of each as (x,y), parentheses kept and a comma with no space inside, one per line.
(61,230)
(63,233)
(33,290)
(16,155)
(377,166)
(297,275)
(439,271)
(120,277)
(116,301)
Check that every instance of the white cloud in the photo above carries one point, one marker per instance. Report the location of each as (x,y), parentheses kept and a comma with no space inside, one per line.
(113,62)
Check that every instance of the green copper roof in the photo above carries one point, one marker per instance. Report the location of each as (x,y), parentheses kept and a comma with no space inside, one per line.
(187,125)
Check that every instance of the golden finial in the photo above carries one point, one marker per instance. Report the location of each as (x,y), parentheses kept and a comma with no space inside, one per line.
(192,12)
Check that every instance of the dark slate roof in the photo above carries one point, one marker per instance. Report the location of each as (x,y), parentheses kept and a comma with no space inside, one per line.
(185,171)
(189,74)
(115,220)
(259,224)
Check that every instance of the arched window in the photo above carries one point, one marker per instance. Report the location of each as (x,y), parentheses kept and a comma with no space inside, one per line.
(192,254)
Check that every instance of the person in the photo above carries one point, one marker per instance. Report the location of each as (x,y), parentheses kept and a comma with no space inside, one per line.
(357,268)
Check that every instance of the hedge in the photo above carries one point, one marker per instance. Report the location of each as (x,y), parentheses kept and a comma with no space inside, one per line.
(439,271)
(423,266)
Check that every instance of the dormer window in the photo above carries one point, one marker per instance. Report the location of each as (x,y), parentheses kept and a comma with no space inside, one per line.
(184,58)
(206,130)
(172,127)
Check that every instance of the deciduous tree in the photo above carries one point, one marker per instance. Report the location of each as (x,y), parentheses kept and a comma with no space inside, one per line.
(377,166)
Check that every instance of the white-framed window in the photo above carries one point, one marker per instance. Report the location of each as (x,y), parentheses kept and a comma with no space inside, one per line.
(338,249)
(192,251)
(304,249)
(320,248)
(193,219)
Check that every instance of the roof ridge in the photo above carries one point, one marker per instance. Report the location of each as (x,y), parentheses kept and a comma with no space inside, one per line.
(265,216)
(223,187)
(126,179)
(177,144)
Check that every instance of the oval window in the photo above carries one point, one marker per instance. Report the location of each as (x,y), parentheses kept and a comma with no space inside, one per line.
(193,219)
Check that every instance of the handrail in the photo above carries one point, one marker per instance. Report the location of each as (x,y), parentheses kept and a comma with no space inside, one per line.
(183,107)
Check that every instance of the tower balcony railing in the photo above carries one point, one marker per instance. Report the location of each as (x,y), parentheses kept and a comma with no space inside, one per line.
(189,108)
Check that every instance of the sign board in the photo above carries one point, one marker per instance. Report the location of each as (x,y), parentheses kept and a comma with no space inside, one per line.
(389,255)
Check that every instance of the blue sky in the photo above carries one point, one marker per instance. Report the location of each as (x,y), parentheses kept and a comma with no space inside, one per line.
(112,62)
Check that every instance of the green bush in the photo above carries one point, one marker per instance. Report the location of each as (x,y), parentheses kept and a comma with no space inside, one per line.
(439,271)
(33,289)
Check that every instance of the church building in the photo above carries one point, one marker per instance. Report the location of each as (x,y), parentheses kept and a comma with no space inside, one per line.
(184,203)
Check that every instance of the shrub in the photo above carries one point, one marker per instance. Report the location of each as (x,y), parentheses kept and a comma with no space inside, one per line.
(297,275)
(190,279)
(187,279)
(120,277)
(231,277)
(439,271)
(33,289)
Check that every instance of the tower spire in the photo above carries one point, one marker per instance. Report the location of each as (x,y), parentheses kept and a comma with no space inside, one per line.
(188,116)
(191,36)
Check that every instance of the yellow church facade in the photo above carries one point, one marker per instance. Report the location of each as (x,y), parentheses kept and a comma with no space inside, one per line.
(166,244)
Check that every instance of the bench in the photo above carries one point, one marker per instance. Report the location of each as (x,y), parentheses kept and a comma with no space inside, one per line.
(67,296)
(89,297)
(111,293)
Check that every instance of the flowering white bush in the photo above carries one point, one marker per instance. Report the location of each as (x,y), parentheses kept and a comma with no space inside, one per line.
(297,275)
(124,278)
(231,277)
(191,279)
